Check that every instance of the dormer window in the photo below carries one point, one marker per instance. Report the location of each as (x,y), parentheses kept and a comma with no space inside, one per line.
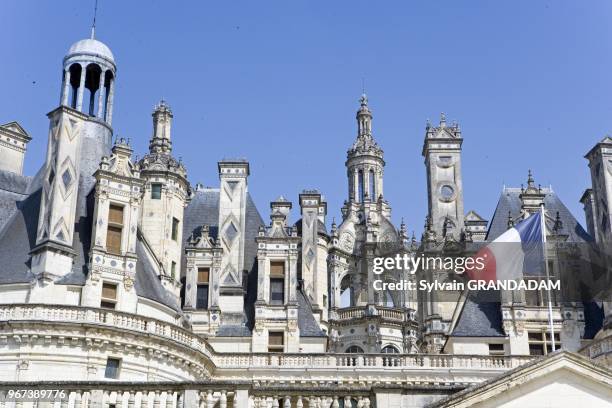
(276,342)
(115,229)
(277,283)
(202,294)
(109,295)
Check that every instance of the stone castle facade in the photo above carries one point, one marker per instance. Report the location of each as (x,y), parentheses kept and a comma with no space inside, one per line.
(115,270)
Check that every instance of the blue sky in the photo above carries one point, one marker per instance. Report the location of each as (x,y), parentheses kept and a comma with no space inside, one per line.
(278,82)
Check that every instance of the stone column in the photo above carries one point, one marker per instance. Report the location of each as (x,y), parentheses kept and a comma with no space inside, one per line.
(292,277)
(66,87)
(261,279)
(210,402)
(223,399)
(101,96)
(81,89)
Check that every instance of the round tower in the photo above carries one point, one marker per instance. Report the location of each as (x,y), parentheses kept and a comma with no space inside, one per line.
(165,198)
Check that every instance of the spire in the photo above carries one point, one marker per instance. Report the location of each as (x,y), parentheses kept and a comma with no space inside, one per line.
(530,180)
(93,25)
(162,125)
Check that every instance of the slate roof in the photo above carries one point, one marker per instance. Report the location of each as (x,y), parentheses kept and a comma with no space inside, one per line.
(480,316)
(321,229)
(509,201)
(306,322)
(13,188)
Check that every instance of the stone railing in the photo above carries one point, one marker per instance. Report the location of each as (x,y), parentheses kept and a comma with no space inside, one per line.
(350,313)
(104,317)
(386,361)
(358,312)
(390,313)
(124,395)
(599,350)
(176,395)
(149,326)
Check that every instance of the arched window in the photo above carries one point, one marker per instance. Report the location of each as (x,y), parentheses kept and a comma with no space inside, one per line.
(389,302)
(354,350)
(390,361)
(75,79)
(346,294)
(389,349)
(107,86)
(360,191)
(92,85)
(372,186)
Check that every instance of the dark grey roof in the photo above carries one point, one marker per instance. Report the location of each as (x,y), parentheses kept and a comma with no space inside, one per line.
(17,237)
(306,322)
(509,201)
(480,316)
(233,330)
(13,188)
(147,282)
(321,229)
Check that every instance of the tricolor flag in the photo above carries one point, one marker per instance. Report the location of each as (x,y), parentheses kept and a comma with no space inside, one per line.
(516,253)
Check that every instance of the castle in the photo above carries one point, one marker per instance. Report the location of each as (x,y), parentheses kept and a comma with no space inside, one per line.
(136,288)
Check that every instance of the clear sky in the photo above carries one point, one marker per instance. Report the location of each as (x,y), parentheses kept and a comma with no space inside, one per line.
(278,82)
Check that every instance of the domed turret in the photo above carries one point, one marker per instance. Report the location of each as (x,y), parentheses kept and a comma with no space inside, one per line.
(91,47)
(365,160)
(89,79)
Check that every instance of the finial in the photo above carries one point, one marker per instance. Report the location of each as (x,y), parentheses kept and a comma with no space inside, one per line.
(363,100)
(442,119)
(93,26)
(530,181)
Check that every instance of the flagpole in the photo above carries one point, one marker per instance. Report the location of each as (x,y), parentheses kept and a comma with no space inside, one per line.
(550,311)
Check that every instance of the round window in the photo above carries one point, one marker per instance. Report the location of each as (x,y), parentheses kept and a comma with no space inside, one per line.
(447,192)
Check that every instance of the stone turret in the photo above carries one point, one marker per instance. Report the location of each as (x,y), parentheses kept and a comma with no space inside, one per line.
(165,198)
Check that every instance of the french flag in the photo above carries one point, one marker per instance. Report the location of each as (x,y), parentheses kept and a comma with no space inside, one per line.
(516,253)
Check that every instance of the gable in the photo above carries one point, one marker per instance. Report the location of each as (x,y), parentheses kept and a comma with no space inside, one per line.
(16,129)
(561,379)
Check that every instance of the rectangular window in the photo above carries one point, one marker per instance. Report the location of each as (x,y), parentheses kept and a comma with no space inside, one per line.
(109,295)
(175,228)
(202,294)
(277,283)
(115,229)
(173,269)
(540,342)
(112,368)
(496,349)
(156,191)
(276,342)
